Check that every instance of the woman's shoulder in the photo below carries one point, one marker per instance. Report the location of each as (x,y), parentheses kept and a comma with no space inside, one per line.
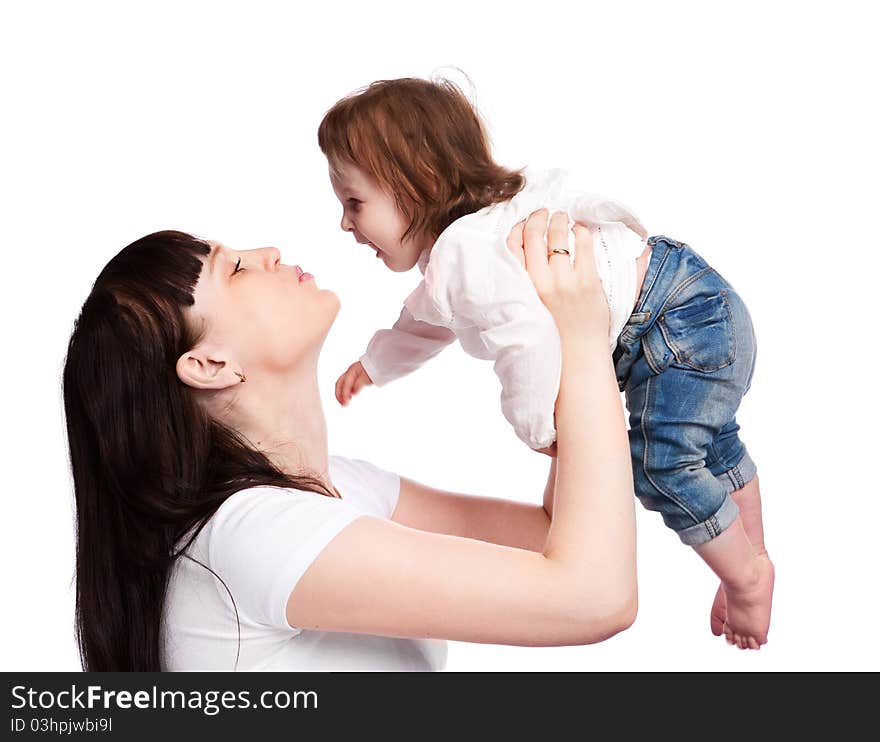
(362,484)
(253,509)
(365,485)
(261,540)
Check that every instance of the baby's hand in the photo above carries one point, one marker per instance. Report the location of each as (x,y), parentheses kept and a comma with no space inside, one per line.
(351,382)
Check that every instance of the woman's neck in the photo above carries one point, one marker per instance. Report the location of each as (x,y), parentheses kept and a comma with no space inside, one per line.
(283,418)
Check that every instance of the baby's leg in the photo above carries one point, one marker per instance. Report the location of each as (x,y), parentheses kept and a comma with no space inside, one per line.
(694,503)
(672,476)
(747,583)
(748,499)
(683,436)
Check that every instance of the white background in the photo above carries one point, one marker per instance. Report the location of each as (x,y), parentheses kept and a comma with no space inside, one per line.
(748,131)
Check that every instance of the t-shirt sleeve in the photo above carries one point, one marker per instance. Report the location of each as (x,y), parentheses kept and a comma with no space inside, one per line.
(262,540)
(370,488)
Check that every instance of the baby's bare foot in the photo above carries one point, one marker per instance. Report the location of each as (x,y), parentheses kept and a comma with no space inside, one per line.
(744,610)
(719,612)
(748,499)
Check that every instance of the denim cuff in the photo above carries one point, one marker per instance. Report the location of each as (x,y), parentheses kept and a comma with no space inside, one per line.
(740,475)
(712,526)
(732,480)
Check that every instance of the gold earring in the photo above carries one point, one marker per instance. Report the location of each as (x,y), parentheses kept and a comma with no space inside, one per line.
(240,376)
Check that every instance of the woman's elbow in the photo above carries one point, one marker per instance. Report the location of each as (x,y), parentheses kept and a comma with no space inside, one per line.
(616,614)
(625,616)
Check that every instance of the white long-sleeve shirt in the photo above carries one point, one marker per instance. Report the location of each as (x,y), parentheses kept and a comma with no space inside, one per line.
(475,290)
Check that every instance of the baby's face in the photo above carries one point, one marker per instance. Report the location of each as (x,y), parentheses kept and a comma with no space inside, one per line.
(371,215)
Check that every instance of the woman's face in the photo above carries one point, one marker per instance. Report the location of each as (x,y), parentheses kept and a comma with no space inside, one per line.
(258,314)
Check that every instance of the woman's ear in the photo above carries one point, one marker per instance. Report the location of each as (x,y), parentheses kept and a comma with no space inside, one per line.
(207,367)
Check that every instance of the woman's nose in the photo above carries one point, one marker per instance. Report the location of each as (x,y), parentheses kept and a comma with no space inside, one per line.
(271,258)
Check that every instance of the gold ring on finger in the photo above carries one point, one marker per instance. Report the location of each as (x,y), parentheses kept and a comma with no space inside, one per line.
(559,251)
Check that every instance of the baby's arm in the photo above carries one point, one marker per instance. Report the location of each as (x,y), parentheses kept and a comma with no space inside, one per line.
(402,349)
(393,353)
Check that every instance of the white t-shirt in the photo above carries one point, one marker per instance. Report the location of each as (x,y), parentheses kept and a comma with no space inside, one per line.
(475,290)
(261,541)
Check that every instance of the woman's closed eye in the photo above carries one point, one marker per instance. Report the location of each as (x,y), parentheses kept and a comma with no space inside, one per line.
(354,203)
(238,267)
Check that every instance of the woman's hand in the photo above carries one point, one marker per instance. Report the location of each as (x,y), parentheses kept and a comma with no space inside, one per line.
(571,290)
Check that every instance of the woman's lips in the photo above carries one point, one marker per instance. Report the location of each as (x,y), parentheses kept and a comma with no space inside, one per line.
(301,275)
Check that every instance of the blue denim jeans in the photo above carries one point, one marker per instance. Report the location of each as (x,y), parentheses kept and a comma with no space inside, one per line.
(685,359)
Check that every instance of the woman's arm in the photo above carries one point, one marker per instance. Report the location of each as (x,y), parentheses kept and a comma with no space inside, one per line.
(380,577)
(491,519)
(550,490)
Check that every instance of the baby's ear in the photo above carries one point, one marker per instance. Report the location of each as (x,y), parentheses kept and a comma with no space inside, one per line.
(206,367)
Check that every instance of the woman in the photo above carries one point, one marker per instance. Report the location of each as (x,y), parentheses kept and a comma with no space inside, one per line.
(215,532)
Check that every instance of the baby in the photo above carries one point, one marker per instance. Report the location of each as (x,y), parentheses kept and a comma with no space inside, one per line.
(410,162)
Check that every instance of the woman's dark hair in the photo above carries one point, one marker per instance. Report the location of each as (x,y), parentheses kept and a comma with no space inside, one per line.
(149,465)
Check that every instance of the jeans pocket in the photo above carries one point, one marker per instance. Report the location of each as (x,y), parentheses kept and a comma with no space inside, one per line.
(700,333)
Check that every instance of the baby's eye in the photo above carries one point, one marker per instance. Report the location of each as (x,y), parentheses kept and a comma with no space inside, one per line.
(238,267)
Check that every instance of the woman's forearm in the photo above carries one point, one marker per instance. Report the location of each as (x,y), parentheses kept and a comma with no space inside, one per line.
(550,488)
(593,517)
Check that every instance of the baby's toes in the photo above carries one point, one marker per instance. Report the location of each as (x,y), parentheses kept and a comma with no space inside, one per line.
(753,643)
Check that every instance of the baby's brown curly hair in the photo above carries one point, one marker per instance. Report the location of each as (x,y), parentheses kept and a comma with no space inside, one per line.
(425,143)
